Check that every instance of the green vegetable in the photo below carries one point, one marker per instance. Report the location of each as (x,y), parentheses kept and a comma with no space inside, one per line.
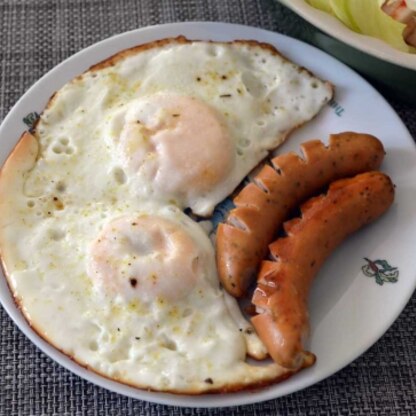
(366,17)
(341,10)
(322,5)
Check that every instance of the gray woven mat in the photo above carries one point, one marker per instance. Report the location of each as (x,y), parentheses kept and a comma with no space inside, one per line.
(37,35)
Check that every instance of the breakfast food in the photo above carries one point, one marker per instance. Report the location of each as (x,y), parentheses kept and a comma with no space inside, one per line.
(283,284)
(98,252)
(100,282)
(189,120)
(263,205)
(392,21)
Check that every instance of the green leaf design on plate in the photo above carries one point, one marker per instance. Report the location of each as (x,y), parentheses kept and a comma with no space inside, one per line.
(31,119)
(381,271)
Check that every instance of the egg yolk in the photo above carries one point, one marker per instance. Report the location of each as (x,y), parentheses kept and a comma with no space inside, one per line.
(178,142)
(146,257)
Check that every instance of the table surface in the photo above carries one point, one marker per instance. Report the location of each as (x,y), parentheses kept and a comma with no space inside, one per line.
(34,37)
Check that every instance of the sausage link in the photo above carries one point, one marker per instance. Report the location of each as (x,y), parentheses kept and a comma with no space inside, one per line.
(263,205)
(283,284)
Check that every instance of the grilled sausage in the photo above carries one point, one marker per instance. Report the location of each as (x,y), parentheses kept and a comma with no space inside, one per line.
(283,284)
(263,205)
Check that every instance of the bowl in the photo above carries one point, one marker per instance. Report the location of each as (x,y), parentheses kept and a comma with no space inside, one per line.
(391,70)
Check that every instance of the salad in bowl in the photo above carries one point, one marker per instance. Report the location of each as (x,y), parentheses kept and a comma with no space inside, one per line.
(375,37)
(393,21)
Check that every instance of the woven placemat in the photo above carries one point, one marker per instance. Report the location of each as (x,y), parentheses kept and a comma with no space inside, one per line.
(37,35)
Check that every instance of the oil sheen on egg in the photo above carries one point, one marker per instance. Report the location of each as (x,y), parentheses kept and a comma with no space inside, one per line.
(186,121)
(94,242)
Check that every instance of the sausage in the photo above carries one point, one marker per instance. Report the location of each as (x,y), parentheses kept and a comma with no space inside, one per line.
(283,284)
(263,205)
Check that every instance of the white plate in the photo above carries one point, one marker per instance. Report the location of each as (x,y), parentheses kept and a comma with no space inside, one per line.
(349,311)
(338,30)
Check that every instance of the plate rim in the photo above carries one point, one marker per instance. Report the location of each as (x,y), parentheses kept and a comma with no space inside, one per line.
(205,400)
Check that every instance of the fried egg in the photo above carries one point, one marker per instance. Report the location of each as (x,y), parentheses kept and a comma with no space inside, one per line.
(97,249)
(132,287)
(186,121)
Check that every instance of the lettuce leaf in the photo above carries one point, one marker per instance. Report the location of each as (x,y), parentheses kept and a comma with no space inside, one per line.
(321,4)
(341,10)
